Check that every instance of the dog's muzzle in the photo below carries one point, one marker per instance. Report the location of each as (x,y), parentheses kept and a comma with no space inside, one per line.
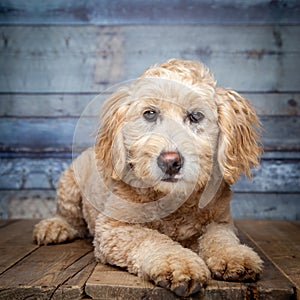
(170,162)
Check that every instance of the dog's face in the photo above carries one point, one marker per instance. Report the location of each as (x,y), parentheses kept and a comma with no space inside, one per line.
(169,134)
(170,127)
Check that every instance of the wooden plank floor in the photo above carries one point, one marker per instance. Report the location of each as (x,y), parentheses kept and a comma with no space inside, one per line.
(69,271)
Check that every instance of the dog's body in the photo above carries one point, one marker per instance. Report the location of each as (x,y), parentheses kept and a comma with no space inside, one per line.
(155,190)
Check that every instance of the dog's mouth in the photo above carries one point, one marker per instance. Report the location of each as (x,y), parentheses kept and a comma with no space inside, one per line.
(167,177)
(171,178)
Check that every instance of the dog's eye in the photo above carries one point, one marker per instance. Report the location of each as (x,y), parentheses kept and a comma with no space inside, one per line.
(196,117)
(150,115)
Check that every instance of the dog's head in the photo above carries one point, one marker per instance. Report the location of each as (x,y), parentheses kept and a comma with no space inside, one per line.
(169,128)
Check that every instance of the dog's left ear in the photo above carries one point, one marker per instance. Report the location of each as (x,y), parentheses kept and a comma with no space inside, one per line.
(239,141)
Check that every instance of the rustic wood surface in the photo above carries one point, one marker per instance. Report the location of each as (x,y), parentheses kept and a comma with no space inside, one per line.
(280,133)
(41,272)
(78,59)
(69,271)
(74,105)
(280,241)
(15,243)
(154,12)
(41,203)
(274,175)
(56,56)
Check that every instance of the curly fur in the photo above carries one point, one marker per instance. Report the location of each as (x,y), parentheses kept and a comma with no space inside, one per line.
(156,228)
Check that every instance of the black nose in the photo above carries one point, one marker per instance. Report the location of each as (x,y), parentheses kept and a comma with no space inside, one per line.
(170,162)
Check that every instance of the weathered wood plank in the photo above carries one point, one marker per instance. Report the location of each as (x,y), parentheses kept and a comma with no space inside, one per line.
(89,58)
(272,175)
(24,173)
(272,284)
(73,105)
(280,133)
(238,58)
(31,174)
(156,12)
(45,270)
(15,243)
(13,235)
(25,292)
(285,206)
(28,204)
(45,135)
(74,287)
(74,59)
(52,271)
(42,204)
(110,283)
(285,104)
(52,105)
(280,241)
(38,135)
(107,282)
(5,222)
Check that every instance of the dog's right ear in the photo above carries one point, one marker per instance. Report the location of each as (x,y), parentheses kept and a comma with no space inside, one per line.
(109,148)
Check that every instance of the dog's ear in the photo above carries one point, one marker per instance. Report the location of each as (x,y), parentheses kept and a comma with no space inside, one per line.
(239,144)
(109,147)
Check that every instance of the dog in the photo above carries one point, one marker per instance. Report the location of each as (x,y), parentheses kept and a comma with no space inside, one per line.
(154,190)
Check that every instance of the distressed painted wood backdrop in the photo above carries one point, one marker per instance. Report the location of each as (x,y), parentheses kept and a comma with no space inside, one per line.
(56,56)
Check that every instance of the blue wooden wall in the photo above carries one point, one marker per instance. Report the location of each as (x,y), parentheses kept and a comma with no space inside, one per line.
(56,56)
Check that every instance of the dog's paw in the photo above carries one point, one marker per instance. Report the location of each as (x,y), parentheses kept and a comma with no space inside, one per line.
(183,273)
(53,231)
(235,263)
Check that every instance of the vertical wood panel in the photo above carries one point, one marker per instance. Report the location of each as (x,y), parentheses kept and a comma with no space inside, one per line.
(155,12)
(56,56)
(88,59)
(73,105)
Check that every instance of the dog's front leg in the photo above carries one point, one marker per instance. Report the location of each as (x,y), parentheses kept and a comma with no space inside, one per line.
(150,255)
(226,257)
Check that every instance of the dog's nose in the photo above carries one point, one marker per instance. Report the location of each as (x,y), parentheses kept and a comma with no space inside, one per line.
(170,162)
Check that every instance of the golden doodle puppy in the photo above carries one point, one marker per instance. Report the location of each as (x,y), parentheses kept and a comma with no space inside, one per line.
(154,191)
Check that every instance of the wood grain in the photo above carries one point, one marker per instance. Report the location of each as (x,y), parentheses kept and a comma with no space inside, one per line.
(42,58)
(158,12)
(6,222)
(279,241)
(46,271)
(266,205)
(15,243)
(39,203)
(69,271)
(74,288)
(107,282)
(29,173)
(33,204)
(56,56)
(273,284)
(74,105)
(36,135)
(239,61)
(80,59)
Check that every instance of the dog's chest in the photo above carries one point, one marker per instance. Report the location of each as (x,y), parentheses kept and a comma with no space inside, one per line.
(183,227)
